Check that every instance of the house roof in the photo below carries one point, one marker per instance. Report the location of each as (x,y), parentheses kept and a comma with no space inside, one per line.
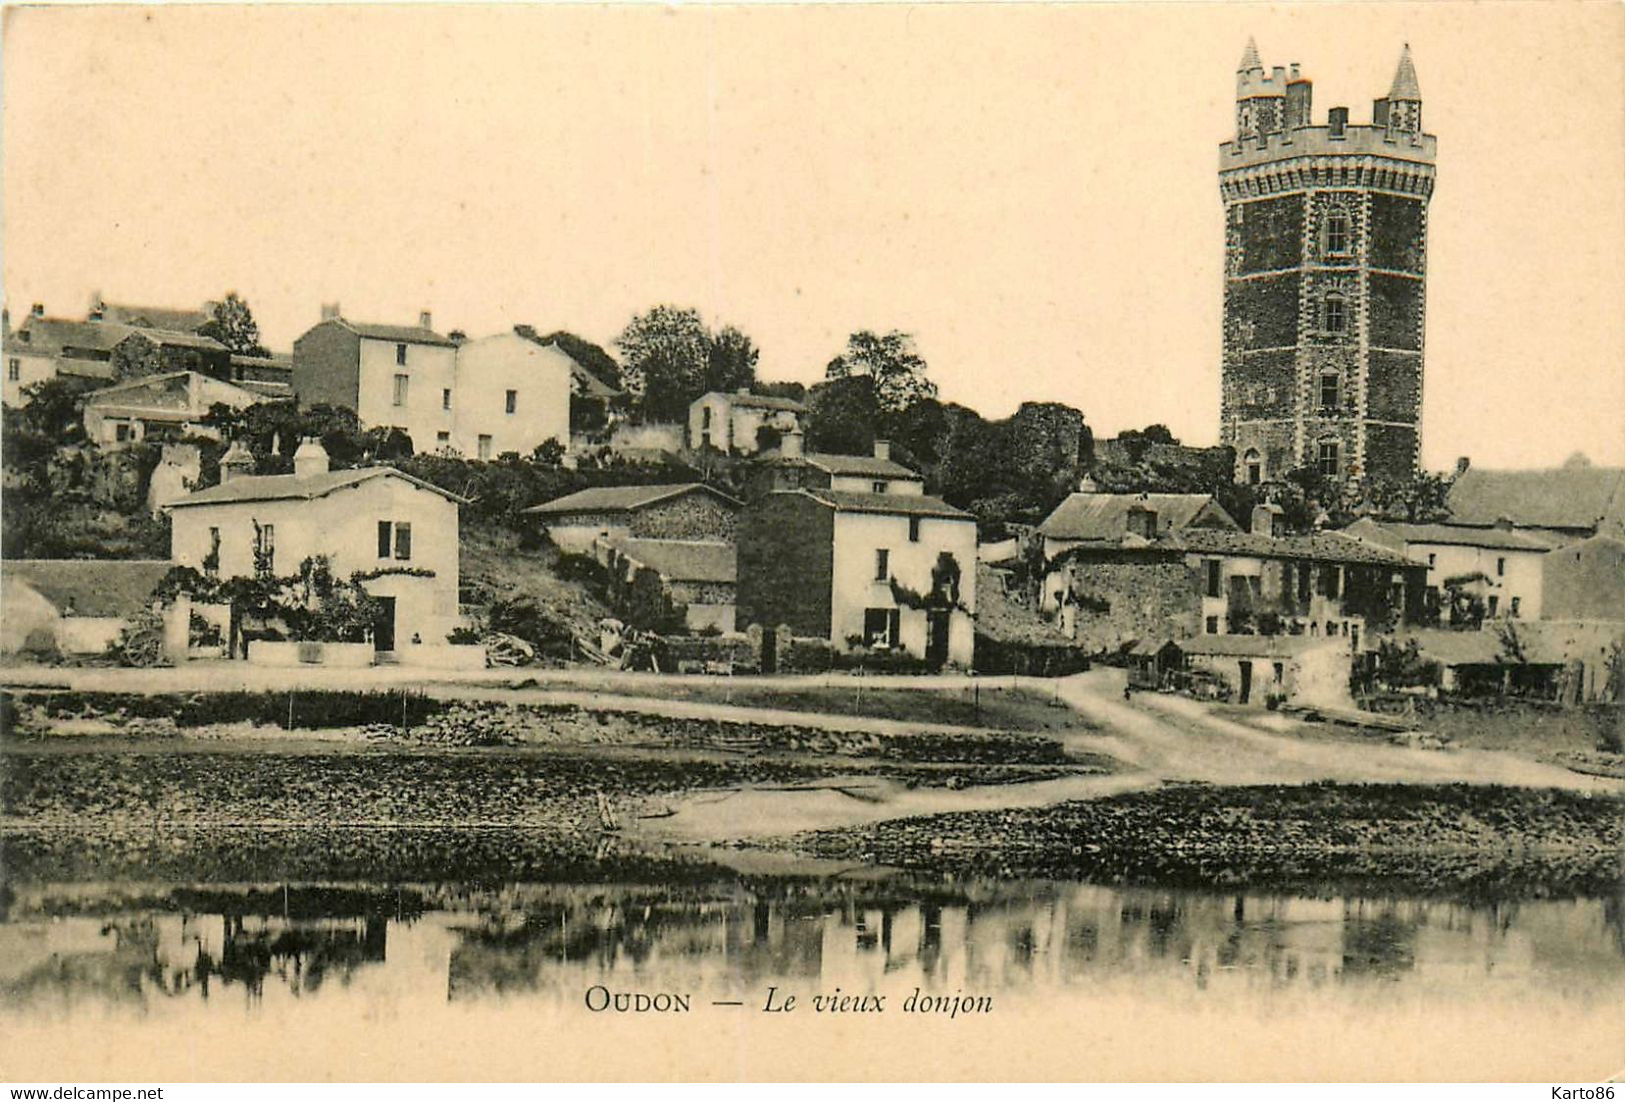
(756,401)
(212,390)
(1090,516)
(273,362)
(619,499)
(51,335)
(295,487)
(400,334)
(155,317)
(1578,496)
(863,466)
(91,587)
(1461,535)
(1320,546)
(914,505)
(178,338)
(683,560)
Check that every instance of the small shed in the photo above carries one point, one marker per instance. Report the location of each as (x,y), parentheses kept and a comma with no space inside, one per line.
(1153,662)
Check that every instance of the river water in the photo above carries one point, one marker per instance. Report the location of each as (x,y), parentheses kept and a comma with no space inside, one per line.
(313,980)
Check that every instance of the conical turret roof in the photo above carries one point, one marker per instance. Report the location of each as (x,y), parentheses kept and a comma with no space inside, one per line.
(1249,57)
(1405,86)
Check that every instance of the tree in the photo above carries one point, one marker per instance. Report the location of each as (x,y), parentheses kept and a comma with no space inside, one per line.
(898,370)
(730,361)
(598,363)
(842,415)
(233,325)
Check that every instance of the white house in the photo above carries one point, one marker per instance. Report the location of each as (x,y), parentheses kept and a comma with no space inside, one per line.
(512,394)
(1504,565)
(893,571)
(172,404)
(397,533)
(731,422)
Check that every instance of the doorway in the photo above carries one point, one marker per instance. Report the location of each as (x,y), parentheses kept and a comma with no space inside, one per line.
(1246,681)
(770,650)
(383,626)
(936,637)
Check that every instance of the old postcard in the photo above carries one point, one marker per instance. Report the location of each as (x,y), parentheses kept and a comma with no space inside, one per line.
(813,542)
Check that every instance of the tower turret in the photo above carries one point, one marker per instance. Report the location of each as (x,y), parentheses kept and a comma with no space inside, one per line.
(1260,99)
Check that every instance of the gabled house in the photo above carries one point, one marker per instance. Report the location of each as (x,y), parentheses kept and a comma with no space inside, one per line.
(1570,502)
(151,317)
(1502,565)
(733,422)
(698,574)
(889,571)
(401,376)
(1089,517)
(791,467)
(684,511)
(514,391)
(159,406)
(398,533)
(102,351)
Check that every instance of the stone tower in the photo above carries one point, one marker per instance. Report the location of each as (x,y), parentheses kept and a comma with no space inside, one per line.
(1325,278)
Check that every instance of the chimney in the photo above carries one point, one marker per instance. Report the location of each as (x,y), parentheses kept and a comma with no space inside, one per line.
(38,311)
(1268,520)
(1142,521)
(457,336)
(1087,485)
(425,319)
(790,444)
(330,311)
(1337,121)
(882,449)
(311,458)
(237,461)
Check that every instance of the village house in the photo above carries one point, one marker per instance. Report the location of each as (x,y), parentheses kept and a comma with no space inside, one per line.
(1152,580)
(182,319)
(1303,669)
(1499,565)
(891,571)
(697,574)
(734,423)
(73,606)
(684,511)
(159,406)
(401,376)
(397,533)
(791,467)
(514,391)
(44,348)
(1089,517)
(1585,580)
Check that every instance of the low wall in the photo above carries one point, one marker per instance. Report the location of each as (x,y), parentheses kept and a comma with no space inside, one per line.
(349,656)
(442,656)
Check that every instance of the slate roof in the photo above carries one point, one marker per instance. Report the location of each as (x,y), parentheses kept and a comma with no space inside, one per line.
(273,362)
(1320,546)
(1405,85)
(758,401)
(155,317)
(1105,516)
(400,334)
(1560,497)
(178,338)
(50,336)
(684,560)
(1460,535)
(863,466)
(294,487)
(914,505)
(95,587)
(621,499)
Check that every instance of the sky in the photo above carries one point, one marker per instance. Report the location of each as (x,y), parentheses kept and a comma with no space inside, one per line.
(1030,191)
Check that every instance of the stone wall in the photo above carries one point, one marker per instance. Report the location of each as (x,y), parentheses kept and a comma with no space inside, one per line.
(692,516)
(786,564)
(1127,598)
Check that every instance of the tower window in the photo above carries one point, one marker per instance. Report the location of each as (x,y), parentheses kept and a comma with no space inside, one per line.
(1328,390)
(1337,234)
(1255,467)
(1336,313)
(1328,458)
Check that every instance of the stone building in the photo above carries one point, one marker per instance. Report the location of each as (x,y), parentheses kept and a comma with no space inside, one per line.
(684,511)
(1325,279)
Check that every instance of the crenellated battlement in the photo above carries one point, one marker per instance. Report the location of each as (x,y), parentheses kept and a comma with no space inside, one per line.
(1327,141)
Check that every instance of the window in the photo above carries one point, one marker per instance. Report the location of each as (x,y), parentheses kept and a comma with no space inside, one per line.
(1513,607)
(1328,390)
(400,390)
(442,439)
(1213,625)
(1336,314)
(1331,579)
(403,540)
(878,627)
(1213,580)
(385,538)
(14,369)
(1432,559)
(265,550)
(400,354)
(878,486)
(1328,458)
(1354,636)
(914,529)
(1337,233)
(394,537)
(1255,467)
(121,432)
(445,398)
(211,561)
(882,564)
(1501,567)
(512,400)
(1495,604)
(1305,580)
(485,446)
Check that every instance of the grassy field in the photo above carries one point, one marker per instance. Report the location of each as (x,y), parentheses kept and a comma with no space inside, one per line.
(1001,709)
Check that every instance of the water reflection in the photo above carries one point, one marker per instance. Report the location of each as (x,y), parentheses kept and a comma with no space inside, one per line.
(65,946)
